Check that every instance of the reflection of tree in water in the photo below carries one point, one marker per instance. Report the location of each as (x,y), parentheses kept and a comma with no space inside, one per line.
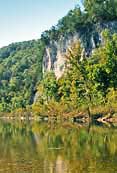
(38,147)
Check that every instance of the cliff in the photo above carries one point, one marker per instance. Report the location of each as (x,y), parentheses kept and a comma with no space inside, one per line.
(90,38)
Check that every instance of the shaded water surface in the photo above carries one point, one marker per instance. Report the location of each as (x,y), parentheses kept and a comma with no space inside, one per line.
(29,147)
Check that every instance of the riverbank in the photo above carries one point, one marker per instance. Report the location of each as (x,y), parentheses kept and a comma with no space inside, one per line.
(99,114)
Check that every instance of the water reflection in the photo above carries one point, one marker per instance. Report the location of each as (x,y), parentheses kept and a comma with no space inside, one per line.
(29,147)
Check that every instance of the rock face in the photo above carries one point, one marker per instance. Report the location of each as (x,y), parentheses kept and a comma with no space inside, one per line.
(90,38)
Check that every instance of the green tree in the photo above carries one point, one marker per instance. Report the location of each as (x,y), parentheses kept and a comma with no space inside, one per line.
(48,87)
(101,9)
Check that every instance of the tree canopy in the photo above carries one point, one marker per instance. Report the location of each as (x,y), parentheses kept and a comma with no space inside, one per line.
(20,70)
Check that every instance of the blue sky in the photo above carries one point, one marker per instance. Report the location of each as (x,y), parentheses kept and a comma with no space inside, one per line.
(22,20)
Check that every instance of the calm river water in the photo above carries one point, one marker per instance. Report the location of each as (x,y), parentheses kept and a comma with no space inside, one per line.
(32,147)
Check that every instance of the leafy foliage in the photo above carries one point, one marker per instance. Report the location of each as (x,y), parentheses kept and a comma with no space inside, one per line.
(94,11)
(99,10)
(20,70)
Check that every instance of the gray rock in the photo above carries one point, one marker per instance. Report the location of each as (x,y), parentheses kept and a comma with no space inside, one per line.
(90,38)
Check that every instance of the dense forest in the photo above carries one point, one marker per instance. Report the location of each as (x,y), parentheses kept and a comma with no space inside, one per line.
(95,11)
(20,71)
(89,83)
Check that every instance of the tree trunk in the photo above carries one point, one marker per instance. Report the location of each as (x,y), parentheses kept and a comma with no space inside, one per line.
(89,113)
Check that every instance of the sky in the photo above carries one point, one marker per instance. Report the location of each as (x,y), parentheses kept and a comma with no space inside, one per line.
(22,20)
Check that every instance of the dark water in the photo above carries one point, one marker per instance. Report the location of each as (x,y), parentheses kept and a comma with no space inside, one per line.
(47,148)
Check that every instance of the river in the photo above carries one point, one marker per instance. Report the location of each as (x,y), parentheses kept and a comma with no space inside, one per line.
(33,147)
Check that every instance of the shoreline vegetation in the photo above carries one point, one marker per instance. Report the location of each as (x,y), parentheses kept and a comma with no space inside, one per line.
(105,115)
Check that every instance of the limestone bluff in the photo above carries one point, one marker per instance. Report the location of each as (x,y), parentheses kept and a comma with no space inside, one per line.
(90,38)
